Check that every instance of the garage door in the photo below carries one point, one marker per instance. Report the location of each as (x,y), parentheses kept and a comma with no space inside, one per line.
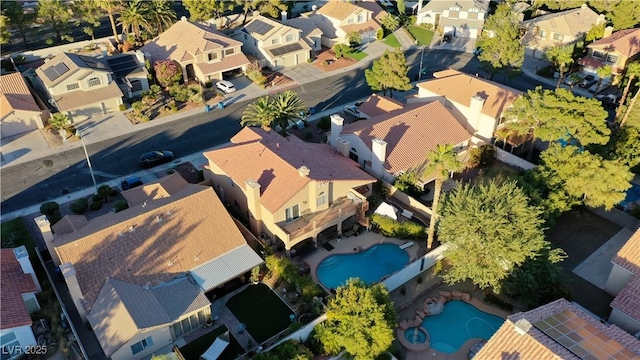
(11,127)
(449,29)
(473,33)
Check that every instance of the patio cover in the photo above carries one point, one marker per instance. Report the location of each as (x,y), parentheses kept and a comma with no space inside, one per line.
(387,210)
(226,267)
(218,346)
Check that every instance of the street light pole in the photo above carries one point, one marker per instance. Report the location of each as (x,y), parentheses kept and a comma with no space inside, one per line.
(86,154)
(420,70)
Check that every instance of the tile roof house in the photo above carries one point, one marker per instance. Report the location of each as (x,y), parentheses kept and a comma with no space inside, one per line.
(287,188)
(336,19)
(559,330)
(561,28)
(477,103)
(21,110)
(399,140)
(279,44)
(140,276)
(203,53)
(461,18)
(377,105)
(17,301)
(82,86)
(615,49)
(624,284)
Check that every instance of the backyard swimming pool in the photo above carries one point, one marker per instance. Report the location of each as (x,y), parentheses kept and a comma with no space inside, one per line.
(633,195)
(370,265)
(458,323)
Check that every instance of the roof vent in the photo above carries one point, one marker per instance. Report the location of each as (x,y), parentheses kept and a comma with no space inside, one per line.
(132,228)
(183,18)
(304,171)
(522,326)
(144,203)
(158,219)
(278,146)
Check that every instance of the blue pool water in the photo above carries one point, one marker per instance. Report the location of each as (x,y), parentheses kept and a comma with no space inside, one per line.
(415,335)
(458,323)
(370,265)
(633,195)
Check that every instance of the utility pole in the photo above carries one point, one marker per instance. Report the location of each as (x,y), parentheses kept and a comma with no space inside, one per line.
(86,155)
(420,70)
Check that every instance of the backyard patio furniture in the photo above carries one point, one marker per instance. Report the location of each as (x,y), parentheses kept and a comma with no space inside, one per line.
(354,230)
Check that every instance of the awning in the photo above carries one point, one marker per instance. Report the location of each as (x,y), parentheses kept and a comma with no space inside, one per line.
(226,267)
(218,346)
(387,210)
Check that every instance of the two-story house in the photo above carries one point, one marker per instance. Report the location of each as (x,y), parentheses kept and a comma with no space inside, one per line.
(615,49)
(140,276)
(462,18)
(21,110)
(336,19)
(81,86)
(17,302)
(561,28)
(203,53)
(276,43)
(391,143)
(478,104)
(289,189)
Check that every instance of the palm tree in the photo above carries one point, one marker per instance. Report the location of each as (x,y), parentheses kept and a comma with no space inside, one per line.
(560,56)
(135,16)
(633,71)
(111,7)
(162,14)
(603,72)
(575,78)
(59,121)
(503,134)
(259,113)
(442,160)
(629,108)
(287,106)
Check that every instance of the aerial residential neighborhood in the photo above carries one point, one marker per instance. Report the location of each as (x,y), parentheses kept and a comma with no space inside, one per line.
(326,179)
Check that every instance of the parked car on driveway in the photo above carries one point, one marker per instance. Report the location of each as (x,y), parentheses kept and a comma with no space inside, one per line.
(610,101)
(352,110)
(153,158)
(226,86)
(588,81)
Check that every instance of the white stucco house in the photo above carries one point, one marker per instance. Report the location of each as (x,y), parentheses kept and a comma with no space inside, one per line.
(461,18)
(21,110)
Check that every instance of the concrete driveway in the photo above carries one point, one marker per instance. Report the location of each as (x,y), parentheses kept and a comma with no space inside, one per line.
(17,146)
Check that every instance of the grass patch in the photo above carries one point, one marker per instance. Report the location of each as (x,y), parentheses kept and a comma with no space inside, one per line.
(15,233)
(194,349)
(422,35)
(357,55)
(261,310)
(392,41)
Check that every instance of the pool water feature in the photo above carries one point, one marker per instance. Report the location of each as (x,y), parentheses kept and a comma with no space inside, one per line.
(415,336)
(458,323)
(370,266)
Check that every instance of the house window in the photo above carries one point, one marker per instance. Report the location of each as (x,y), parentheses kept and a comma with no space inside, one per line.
(144,344)
(360,18)
(558,37)
(612,59)
(473,14)
(542,34)
(73,86)
(212,56)
(136,85)
(93,82)
(322,199)
(292,213)
(9,345)
(353,154)
(275,41)
(177,329)
(289,38)
(349,21)
(454,12)
(230,51)
(597,54)
(193,322)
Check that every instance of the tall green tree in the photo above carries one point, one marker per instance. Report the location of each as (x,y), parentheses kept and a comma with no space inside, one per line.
(604,73)
(259,113)
(442,161)
(5,34)
(631,73)
(631,108)
(162,15)
(596,32)
(402,7)
(273,8)
(625,147)
(561,57)
(88,13)
(390,23)
(389,72)
(625,15)
(360,321)
(489,229)
(56,14)
(502,48)
(18,19)
(249,5)
(111,7)
(585,176)
(135,17)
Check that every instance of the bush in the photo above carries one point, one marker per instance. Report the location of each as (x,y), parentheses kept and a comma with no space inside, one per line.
(339,50)
(380,34)
(208,84)
(79,206)
(394,228)
(122,107)
(95,206)
(168,72)
(484,155)
(107,191)
(120,205)
(49,208)
(324,123)
(54,218)
(97,198)
(408,184)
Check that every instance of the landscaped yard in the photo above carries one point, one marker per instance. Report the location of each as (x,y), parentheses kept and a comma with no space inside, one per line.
(194,349)
(356,55)
(392,41)
(261,310)
(422,35)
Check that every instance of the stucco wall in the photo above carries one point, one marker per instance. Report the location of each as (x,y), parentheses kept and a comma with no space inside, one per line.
(618,278)
(23,334)
(623,321)
(511,159)
(161,337)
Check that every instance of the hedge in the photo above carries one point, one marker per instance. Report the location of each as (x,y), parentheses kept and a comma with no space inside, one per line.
(79,206)
(394,228)
(49,207)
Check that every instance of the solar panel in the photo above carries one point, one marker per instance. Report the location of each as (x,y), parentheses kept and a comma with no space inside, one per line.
(258,27)
(55,71)
(123,65)
(581,338)
(61,68)
(286,49)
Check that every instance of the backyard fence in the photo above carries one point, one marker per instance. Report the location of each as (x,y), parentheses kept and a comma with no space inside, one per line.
(407,200)
(511,159)
(617,217)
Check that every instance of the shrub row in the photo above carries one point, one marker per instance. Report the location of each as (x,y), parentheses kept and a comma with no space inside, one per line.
(394,228)
(282,267)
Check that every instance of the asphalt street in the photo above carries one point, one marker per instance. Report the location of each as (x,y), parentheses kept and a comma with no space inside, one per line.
(39,180)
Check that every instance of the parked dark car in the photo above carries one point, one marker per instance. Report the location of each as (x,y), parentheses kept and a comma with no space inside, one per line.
(446,38)
(588,81)
(130,182)
(154,158)
(610,101)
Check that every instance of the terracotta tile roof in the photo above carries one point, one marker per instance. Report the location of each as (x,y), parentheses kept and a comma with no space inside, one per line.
(590,61)
(628,300)
(377,105)
(626,42)
(14,284)
(570,22)
(69,224)
(410,133)
(602,341)
(227,63)
(163,188)
(628,256)
(150,243)
(370,25)
(460,87)
(337,9)
(79,98)
(273,162)
(15,95)
(185,39)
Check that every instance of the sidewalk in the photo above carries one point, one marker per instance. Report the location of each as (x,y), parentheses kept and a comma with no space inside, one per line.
(531,66)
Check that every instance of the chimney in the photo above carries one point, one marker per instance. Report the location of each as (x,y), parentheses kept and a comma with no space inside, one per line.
(336,129)
(343,146)
(140,57)
(252,189)
(314,8)
(583,6)
(304,171)
(419,5)
(23,258)
(607,32)
(69,274)
(378,156)
(601,19)
(522,326)
(475,111)
(47,235)
(103,51)
(283,16)
(183,18)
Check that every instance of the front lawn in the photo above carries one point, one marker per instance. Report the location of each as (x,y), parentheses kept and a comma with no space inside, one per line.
(194,349)
(15,233)
(392,41)
(261,310)
(422,35)
(356,55)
